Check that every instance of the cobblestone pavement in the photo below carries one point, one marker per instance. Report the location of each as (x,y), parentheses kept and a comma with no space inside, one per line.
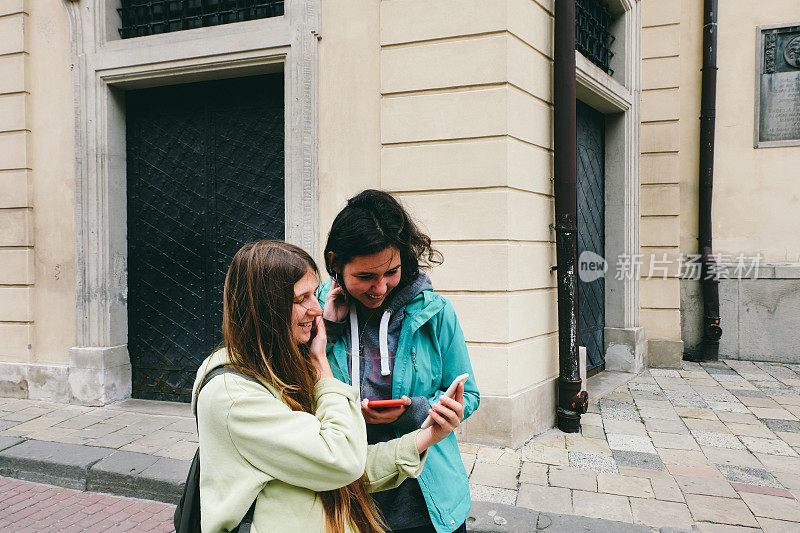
(162,429)
(712,446)
(26,506)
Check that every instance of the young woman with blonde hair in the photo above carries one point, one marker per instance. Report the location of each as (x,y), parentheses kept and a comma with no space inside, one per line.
(280,430)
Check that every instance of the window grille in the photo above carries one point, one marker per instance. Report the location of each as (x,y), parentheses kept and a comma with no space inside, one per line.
(593,32)
(149,17)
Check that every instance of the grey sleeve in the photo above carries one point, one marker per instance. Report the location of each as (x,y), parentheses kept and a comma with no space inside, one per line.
(334,329)
(413,417)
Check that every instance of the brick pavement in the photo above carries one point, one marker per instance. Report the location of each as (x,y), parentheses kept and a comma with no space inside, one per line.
(26,506)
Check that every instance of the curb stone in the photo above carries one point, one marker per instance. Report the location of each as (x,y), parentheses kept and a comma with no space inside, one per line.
(55,463)
(166,478)
(82,467)
(8,442)
(487,517)
(141,475)
(129,474)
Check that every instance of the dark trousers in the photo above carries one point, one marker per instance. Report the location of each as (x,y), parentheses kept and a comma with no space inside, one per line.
(429,529)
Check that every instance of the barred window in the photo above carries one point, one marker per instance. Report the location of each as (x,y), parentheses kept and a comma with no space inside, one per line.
(593,32)
(149,17)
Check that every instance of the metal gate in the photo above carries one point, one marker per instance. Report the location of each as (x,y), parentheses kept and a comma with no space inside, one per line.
(205,165)
(591,229)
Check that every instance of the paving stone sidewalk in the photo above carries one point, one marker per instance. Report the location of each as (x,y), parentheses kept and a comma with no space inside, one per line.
(133,448)
(142,449)
(712,446)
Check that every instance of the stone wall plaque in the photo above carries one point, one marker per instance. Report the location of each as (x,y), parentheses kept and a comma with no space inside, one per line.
(778,86)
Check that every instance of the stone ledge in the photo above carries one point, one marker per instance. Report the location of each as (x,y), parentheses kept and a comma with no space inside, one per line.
(139,475)
(488,517)
(759,318)
(94,376)
(55,463)
(664,354)
(8,442)
(93,468)
(606,382)
(99,375)
(34,381)
(528,412)
(624,348)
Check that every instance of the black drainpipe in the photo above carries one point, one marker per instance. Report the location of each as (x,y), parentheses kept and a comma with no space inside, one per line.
(571,401)
(708,103)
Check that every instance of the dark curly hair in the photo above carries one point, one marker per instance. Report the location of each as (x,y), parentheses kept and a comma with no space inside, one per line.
(371,222)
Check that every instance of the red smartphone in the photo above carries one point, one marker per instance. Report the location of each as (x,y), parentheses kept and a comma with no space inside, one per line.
(385,404)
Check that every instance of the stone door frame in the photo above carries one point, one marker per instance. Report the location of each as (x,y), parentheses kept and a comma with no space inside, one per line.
(104,67)
(617,96)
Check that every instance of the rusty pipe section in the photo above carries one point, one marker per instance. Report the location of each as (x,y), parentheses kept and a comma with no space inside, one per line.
(708,104)
(571,401)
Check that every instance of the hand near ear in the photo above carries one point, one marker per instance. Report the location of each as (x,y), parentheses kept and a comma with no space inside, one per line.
(317,348)
(336,306)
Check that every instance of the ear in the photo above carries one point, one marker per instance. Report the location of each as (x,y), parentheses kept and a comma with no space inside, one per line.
(329,259)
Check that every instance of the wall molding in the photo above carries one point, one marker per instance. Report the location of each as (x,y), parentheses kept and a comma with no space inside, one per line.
(104,67)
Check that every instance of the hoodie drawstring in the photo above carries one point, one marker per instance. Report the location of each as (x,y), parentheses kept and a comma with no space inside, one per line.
(383,342)
(355,371)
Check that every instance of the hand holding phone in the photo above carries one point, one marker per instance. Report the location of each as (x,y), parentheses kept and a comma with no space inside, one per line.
(387,411)
(445,416)
(450,393)
(385,404)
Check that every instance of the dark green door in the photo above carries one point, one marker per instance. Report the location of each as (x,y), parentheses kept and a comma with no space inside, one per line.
(205,176)
(591,229)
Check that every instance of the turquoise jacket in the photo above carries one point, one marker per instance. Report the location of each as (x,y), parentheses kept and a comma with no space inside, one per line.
(431,352)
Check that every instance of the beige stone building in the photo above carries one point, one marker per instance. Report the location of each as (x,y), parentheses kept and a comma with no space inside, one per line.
(115,151)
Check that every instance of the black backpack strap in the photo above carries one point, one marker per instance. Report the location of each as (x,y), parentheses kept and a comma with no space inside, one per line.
(211,375)
(247,521)
(224,369)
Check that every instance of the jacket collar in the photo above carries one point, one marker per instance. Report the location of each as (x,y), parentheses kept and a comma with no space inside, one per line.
(419,310)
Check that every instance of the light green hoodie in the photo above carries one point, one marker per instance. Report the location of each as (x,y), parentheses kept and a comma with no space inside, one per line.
(252,444)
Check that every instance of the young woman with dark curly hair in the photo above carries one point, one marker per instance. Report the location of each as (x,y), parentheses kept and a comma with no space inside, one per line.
(392,337)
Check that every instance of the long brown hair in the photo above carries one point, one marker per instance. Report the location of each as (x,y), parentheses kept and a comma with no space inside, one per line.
(257,329)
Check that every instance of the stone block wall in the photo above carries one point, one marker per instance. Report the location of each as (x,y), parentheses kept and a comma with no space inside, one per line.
(762,316)
(466,144)
(17,274)
(37,282)
(660,181)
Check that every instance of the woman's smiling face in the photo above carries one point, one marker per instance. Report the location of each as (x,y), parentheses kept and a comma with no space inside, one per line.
(370,278)
(305,308)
